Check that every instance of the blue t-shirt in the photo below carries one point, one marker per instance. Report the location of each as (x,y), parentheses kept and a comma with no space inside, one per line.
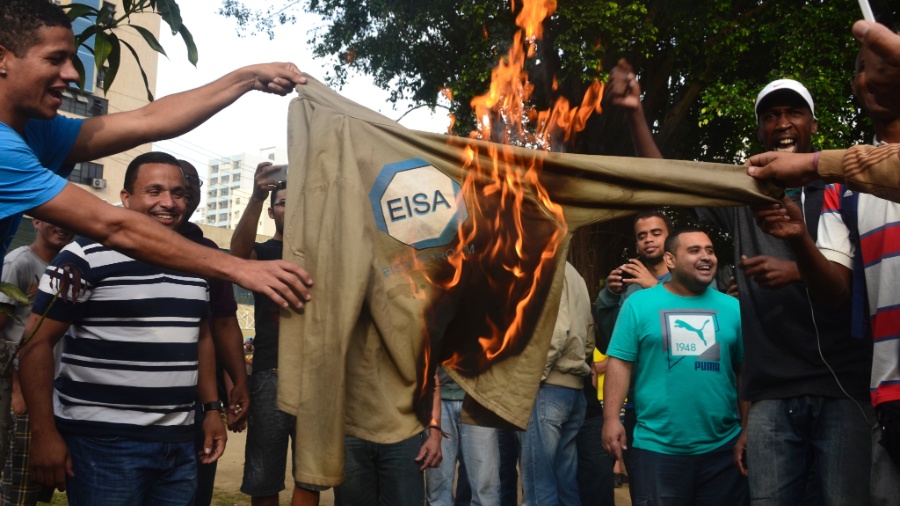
(31,168)
(684,350)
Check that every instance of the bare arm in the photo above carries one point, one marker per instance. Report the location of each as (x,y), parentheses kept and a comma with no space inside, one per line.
(180,113)
(827,281)
(229,341)
(623,90)
(49,456)
(615,388)
(430,453)
(882,62)
(244,235)
(214,432)
(140,237)
(740,447)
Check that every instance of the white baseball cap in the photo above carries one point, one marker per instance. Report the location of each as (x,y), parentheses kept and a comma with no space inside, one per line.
(786,84)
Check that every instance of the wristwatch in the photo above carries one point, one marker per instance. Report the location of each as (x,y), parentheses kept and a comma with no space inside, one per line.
(214,405)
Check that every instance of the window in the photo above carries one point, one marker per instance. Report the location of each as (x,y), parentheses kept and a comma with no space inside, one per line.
(223,216)
(237,201)
(224,192)
(225,179)
(83,105)
(214,169)
(84,172)
(212,194)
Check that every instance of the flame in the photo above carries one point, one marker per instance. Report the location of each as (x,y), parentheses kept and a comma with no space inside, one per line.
(508,246)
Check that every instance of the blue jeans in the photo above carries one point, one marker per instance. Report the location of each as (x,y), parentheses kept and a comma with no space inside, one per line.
(117,471)
(269,434)
(549,459)
(885,474)
(378,474)
(789,440)
(509,474)
(708,479)
(595,466)
(479,447)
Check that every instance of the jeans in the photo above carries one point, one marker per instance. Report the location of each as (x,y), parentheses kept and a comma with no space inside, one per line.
(269,434)
(509,475)
(479,447)
(378,474)
(708,479)
(630,421)
(549,460)
(595,466)
(789,440)
(117,471)
(885,474)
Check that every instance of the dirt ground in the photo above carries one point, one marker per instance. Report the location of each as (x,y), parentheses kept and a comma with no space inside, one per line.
(231,469)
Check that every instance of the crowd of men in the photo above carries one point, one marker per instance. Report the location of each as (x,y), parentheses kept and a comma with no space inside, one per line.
(782,388)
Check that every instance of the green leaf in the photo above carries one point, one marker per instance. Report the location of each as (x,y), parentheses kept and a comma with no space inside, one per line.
(14,292)
(79,66)
(75,11)
(141,68)
(86,34)
(150,39)
(102,48)
(189,43)
(171,14)
(112,67)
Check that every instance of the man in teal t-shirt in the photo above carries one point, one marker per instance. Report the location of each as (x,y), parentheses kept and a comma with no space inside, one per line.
(683,341)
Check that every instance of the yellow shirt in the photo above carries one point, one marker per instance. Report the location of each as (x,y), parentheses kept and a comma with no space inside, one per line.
(599,357)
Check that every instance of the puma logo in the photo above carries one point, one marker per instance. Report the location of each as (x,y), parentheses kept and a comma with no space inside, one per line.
(681,324)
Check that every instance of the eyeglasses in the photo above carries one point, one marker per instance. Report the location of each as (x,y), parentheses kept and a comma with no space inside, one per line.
(195,180)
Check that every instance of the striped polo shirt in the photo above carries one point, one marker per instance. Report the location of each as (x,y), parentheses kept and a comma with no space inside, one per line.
(879,245)
(129,362)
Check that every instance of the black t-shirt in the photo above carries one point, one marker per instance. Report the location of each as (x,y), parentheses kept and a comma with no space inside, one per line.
(783,327)
(266,314)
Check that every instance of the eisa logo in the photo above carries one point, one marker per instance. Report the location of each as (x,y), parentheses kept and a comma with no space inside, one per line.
(417,204)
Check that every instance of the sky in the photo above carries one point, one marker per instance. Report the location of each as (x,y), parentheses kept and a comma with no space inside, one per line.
(257,120)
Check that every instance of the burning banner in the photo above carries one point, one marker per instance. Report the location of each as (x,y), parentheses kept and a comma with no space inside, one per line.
(428,249)
(373,213)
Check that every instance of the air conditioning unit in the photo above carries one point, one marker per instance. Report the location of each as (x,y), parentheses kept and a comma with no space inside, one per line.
(98,183)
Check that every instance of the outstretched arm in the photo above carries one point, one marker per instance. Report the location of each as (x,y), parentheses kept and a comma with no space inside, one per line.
(180,113)
(882,61)
(140,237)
(623,90)
(244,235)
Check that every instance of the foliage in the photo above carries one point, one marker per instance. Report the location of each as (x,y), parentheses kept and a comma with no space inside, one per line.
(101,40)
(700,62)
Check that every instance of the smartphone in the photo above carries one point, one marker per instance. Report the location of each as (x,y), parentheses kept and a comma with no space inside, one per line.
(280,174)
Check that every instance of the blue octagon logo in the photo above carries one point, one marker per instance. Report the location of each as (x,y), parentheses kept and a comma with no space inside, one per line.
(417,204)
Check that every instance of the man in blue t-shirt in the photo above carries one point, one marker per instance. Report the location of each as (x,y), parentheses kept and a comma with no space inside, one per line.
(38,149)
(683,341)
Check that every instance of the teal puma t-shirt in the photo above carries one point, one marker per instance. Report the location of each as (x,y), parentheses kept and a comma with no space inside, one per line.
(685,351)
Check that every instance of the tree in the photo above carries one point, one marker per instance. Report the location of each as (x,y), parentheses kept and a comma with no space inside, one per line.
(100,38)
(701,64)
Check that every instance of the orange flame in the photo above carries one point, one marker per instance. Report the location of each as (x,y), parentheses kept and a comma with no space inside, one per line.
(507,247)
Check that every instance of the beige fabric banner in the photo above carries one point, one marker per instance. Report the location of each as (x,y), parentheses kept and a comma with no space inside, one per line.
(372,214)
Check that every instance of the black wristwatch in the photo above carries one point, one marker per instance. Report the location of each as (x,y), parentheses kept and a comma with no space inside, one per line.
(214,405)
